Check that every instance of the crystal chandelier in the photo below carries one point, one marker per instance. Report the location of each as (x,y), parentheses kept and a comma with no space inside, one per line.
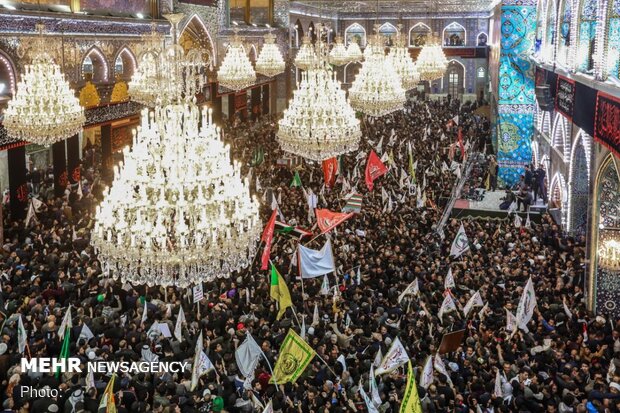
(177,213)
(167,74)
(236,71)
(432,62)
(609,254)
(306,55)
(319,122)
(270,62)
(403,64)
(377,89)
(354,52)
(44,109)
(339,56)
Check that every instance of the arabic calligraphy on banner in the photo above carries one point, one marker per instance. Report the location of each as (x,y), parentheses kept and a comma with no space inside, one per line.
(607,122)
(565,97)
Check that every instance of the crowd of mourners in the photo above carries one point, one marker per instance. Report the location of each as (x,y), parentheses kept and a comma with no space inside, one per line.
(564,363)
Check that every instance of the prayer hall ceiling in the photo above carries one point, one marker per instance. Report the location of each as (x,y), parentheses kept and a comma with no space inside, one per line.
(405,6)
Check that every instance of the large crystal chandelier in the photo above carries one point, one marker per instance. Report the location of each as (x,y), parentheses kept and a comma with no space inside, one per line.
(166,74)
(178,213)
(377,89)
(236,71)
(403,64)
(319,123)
(306,55)
(44,109)
(432,62)
(270,62)
(354,52)
(339,56)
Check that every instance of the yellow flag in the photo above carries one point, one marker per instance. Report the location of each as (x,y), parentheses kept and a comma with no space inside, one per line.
(279,291)
(295,355)
(411,399)
(107,401)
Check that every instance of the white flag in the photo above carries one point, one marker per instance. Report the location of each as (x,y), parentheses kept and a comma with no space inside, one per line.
(374,391)
(384,195)
(342,361)
(198,292)
(22,336)
(412,289)
(369,405)
(394,358)
(511,321)
(449,281)
(85,333)
(378,358)
(482,312)
(359,276)
(66,322)
(518,221)
(525,310)
(178,328)
(30,215)
(460,243)
(569,314)
(201,364)
(314,263)
(474,301)
(441,367)
(325,286)
(247,356)
(528,223)
(427,373)
(497,390)
(302,333)
(268,408)
(90,380)
(447,306)
(315,315)
(144,313)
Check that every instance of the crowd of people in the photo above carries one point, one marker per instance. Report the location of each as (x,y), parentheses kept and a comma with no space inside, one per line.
(563,363)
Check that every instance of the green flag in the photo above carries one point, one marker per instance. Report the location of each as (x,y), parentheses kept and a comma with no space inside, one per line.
(258,157)
(64,351)
(296,182)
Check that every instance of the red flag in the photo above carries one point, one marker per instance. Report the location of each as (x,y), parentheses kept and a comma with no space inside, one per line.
(460,138)
(374,169)
(327,219)
(330,169)
(267,237)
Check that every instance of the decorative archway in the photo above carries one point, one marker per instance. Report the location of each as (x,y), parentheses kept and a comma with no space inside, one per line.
(535,156)
(603,296)
(611,58)
(124,63)
(351,70)
(564,31)
(454,34)
(558,195)
(388,31)
(586,35)
(453,81)
(94,64)
(418,35)
(550,31)
(579,184)
(252,53)
(561,136)
(482,39)
(298,34)
(312,32)
(356,31)
(194,34)
(7,75)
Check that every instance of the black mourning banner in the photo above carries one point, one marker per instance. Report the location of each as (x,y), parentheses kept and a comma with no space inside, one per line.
(73,159)
(607,122)
(59,160)
(565,97)
(18,188)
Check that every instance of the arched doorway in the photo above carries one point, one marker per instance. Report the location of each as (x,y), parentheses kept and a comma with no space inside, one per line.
(298,34)
(454,79)
(350,72)
(558,198)
(7,76)
(124,64)
(579,185)
(357,32)
(195,35)
(94,66)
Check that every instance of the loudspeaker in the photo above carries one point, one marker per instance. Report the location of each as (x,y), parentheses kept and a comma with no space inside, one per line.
(543,97)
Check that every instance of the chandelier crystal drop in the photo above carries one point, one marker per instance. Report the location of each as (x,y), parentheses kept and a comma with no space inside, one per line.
(178,212)
(44,109)
(354,52)
(319,122)
(402,62)
(306,56)
(432,62)
(377,89)
(339,56)
(236,71)
(270,62)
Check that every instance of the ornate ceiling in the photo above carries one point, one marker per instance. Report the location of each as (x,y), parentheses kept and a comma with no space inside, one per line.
(405,6)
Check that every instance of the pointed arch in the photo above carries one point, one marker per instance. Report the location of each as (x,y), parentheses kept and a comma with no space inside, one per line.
(129,62)
(579,183)
(387,27)
(453,29)
(298,31)
(351,70)
(355,30)
(7,72)
(252,53)
(535,156)
(550,31)
(446,81)
(195,28)
(560,138)
(418,29)
(482,39)
(558,195)
(99,67)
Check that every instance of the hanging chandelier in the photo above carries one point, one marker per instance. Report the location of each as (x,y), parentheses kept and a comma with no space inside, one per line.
(168,74)
(306,55)
(402,62)
(377,89)
(236,71)
(319,122)
(432,62)
(354,52)
(44,109)
(270,62)
(609,252)
(339,56)
(178,212)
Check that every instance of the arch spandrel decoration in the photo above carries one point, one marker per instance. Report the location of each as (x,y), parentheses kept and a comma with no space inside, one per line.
(419,34)
(612,40)
(356,31)
(604,276)
(579,185)
(586,35)
(194,34)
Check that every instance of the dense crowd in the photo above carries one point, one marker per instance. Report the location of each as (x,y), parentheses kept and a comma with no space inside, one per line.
(562,364)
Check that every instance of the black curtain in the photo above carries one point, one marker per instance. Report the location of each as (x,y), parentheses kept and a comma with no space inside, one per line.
(255,102)
(266,98)
(216,104)
(18,188)
(73,159)
(106,152)
(59,160)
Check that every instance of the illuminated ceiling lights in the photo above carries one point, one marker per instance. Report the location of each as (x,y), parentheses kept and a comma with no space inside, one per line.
(339,56)
(432,62)
(270,62)
(319,122)
(306,55)
(402,62)
(44,109)
(178,212)
(236,72)
(354,52)
(377,89)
